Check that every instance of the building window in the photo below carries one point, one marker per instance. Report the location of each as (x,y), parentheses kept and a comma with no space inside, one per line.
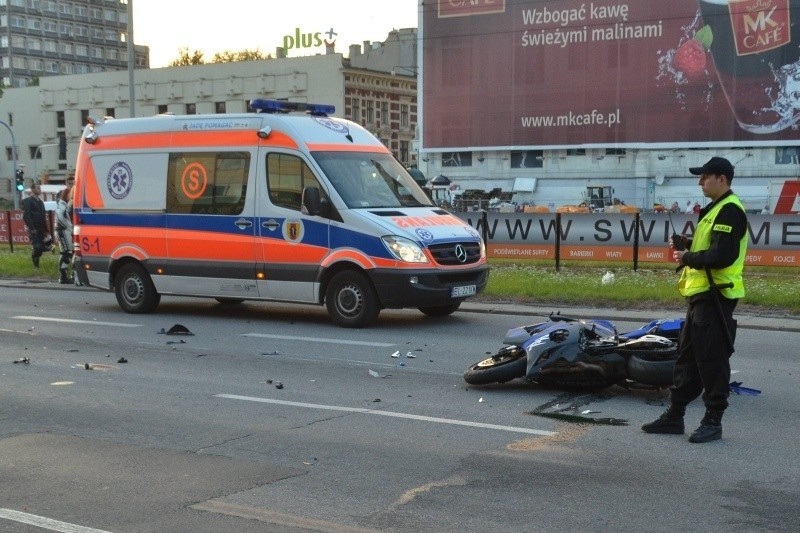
(356,110)
(616,151)
(219,107)
(456,159)
(576,151)
(60,119)
(404,152)
(385,113)
(110,112)
(62,146)
(527,158)
(404,116)
(787,155)
(84,117)
(370,112)
(191,109)
(162,109)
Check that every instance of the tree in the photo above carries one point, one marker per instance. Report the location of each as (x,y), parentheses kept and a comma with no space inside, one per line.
(185,59)
(245,55)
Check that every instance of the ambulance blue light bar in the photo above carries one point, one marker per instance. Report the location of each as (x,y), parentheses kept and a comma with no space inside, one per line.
(261,105)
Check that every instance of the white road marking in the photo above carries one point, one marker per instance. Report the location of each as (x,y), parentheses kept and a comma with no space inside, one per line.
(46,523)
(73,321)
(318,339)
(389,413)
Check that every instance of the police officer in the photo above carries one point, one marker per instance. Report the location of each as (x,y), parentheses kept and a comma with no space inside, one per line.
(717,251)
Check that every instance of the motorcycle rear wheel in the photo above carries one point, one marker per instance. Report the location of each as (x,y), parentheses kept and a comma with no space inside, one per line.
(508,363)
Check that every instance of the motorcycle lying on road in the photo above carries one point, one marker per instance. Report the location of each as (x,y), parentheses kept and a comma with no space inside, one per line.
(584,354)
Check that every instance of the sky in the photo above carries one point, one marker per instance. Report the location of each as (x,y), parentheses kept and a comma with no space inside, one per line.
(234,25)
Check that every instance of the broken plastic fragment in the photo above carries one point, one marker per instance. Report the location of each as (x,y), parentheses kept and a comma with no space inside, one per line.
(377,375)
(736,388)
(24,361)
(396,354)
(410,355)
(177,329)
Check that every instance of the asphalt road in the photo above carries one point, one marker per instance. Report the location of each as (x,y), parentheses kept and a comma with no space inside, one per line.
(270,418)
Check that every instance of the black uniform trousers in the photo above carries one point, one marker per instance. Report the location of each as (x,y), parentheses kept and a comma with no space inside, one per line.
(703,364)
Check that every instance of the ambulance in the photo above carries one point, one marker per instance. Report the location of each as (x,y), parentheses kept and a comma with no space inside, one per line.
(286,203)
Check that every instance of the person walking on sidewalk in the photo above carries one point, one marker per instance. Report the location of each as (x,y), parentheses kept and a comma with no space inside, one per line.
(35,218)
(716,252)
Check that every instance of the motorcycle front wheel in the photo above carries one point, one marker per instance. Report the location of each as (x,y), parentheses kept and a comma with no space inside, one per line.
(508,363)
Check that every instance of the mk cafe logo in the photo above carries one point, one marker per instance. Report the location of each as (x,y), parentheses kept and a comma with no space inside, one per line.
(466,8)
(760,25)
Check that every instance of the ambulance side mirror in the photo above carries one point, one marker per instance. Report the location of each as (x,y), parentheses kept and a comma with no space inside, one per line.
(312,201)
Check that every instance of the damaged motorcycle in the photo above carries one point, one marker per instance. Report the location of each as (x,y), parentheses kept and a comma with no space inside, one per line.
(583,354)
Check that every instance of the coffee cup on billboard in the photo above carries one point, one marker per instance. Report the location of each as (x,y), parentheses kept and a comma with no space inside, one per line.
(756,52)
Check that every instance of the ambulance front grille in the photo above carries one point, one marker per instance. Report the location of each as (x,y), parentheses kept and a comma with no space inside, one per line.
(456,253)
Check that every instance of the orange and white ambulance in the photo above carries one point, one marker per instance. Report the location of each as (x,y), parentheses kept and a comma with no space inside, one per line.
(270,205)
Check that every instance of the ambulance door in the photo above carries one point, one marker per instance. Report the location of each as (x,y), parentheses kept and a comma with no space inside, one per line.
(210,227)
(292,244)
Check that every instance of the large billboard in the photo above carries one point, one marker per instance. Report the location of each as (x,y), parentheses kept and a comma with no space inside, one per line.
(646,73)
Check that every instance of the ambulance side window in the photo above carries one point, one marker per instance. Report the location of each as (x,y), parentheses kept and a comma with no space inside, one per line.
(286,177)
(211,183)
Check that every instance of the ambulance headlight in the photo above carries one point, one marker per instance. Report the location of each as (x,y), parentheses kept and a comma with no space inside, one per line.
(404,249)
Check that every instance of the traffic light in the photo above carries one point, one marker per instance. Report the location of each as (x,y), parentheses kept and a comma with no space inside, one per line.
(20,180)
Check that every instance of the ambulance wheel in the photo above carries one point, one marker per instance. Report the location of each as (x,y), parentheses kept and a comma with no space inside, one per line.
(135,290)
(441,310)
(351,300)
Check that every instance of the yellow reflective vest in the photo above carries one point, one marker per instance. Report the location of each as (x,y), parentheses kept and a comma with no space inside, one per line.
(694,281)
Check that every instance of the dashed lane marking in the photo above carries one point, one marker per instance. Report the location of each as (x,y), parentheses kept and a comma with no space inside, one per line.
(421,418)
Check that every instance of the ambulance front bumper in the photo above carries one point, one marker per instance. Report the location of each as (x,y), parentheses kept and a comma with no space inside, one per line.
(428,288)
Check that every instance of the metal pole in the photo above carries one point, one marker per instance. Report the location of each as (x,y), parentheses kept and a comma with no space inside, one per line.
(131,63)
(14,154)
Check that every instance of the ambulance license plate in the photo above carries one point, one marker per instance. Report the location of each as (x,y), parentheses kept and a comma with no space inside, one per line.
(466,290)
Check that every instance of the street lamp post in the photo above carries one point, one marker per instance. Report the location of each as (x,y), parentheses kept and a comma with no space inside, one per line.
(14,157)
(36,157)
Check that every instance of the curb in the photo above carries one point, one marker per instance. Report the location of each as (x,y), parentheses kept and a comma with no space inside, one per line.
(534,313)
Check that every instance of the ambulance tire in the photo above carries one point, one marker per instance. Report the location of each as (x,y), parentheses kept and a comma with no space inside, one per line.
(135,290)
(351,300)
(441,310)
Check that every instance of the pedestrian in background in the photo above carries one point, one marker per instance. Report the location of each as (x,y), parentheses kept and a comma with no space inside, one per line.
(715,255)
(64,232)
(35,218)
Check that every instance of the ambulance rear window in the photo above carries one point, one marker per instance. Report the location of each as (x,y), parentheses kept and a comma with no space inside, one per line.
(213,183)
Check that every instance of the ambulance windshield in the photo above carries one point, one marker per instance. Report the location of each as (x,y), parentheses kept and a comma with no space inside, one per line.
(370,180)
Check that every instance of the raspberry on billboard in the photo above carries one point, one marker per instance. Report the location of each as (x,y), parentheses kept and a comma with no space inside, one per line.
(466,8)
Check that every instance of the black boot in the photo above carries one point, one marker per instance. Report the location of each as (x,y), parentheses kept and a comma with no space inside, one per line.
(35,262)
(64,279)
(710,428)
(671,422)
